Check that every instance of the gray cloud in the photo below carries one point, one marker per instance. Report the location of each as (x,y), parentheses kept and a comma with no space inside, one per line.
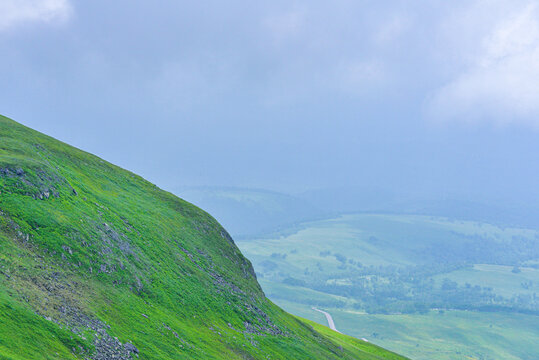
(500,82)
(286,95)
(16,13)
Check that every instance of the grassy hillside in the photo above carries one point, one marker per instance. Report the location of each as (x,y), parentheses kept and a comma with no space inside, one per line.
(96,262)
(397,279)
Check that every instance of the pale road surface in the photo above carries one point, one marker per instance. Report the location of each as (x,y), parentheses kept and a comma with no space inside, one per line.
(331,323)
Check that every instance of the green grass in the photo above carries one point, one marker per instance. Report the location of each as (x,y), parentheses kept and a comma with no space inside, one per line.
(363,348)
(275,290)
(451,335)
(500,278)
(22,332)
(446,336)
(85,242)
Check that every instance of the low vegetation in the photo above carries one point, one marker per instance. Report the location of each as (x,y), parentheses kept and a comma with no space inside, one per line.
(96,262)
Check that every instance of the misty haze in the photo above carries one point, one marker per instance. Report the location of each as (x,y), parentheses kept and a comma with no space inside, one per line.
(291,180)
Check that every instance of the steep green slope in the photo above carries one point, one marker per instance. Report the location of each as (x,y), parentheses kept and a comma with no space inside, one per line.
(96,262)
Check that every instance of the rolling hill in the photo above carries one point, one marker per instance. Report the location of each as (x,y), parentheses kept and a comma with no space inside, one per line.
(427,287)
(97,263)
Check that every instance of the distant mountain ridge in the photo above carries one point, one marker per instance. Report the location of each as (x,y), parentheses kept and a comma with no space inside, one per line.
(380,200)
(249,213)
(246,212)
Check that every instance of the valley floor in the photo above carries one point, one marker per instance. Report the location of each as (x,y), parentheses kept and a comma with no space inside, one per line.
(449,335)
(360,268)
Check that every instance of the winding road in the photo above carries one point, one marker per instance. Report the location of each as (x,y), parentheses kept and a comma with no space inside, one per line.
(331,323)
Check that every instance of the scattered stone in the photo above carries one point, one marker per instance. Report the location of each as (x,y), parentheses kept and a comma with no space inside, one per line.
(131,348)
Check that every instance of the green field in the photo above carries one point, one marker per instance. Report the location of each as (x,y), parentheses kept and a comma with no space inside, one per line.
(325,263)
(375,239)
(500,278)
(446,336)
(392,240)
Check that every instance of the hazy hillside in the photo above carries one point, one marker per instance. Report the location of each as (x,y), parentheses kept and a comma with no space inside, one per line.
(517,211)
(96,262)
(246,212)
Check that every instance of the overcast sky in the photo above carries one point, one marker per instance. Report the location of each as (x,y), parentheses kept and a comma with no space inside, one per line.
(424,97)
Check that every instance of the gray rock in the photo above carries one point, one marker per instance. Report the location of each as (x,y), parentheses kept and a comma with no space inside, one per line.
(131,348)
